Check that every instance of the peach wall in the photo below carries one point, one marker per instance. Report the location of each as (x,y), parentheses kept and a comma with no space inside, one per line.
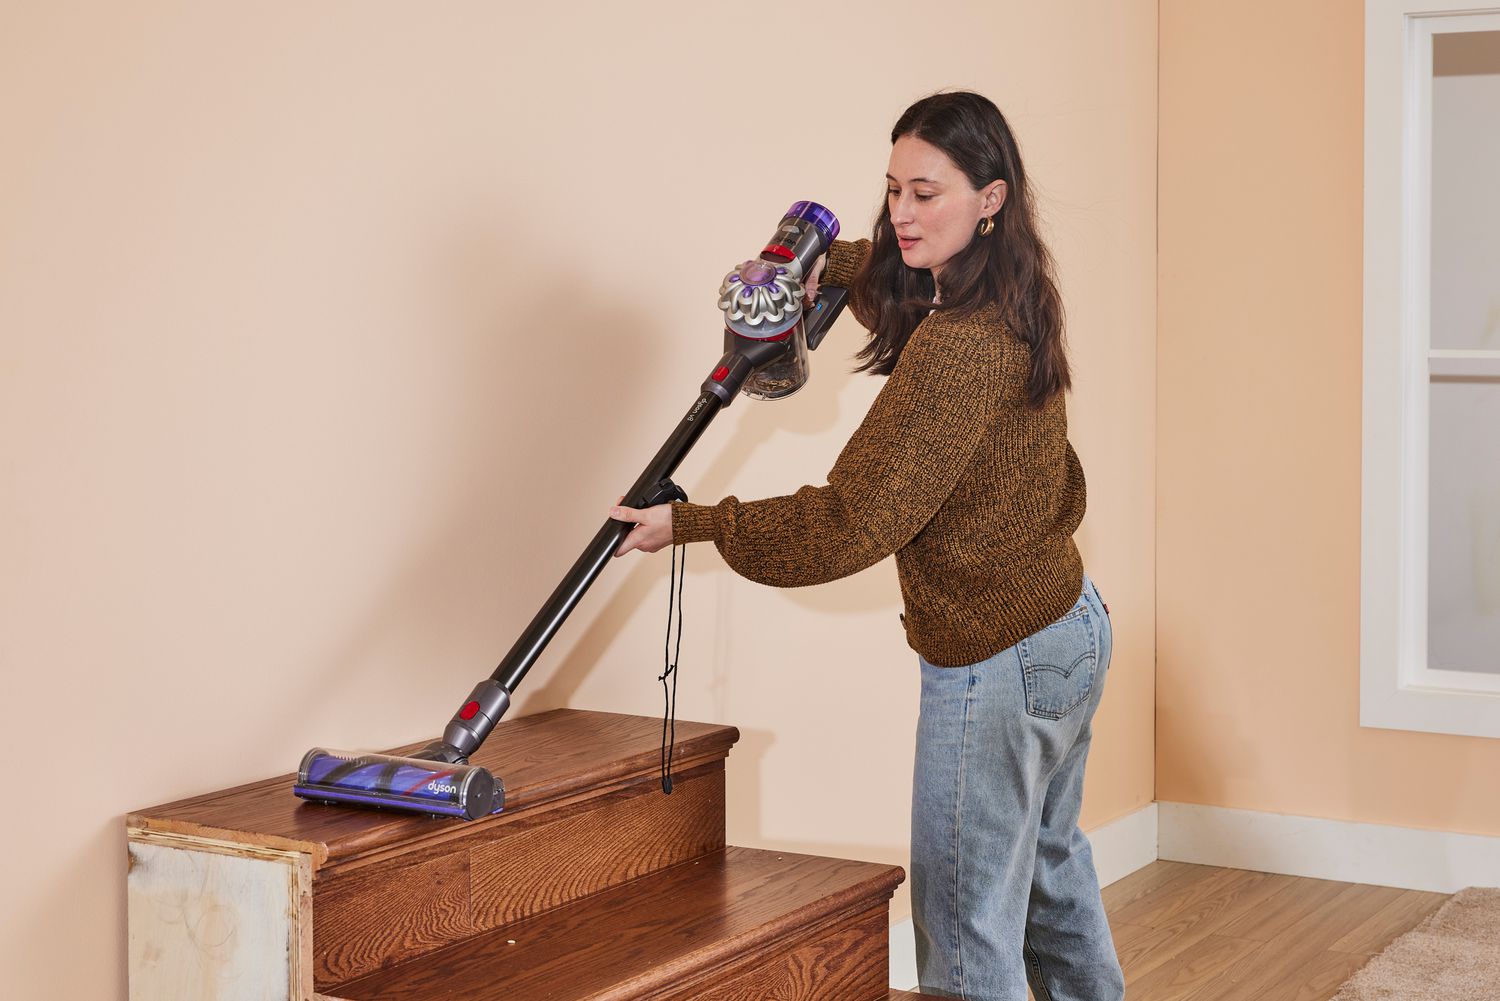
(325,343)
(1259,381)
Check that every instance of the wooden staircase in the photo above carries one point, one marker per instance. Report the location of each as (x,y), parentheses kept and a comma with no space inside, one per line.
(592,884)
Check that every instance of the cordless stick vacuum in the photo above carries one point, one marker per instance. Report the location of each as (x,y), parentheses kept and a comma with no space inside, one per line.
(766,340)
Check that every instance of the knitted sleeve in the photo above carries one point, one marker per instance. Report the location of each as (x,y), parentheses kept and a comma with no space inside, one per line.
(892,476)
(845,258)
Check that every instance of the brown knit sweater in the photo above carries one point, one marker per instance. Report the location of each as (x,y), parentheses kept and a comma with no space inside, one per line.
(975,494)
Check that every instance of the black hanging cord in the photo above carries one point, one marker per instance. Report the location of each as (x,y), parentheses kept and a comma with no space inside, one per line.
(670,658)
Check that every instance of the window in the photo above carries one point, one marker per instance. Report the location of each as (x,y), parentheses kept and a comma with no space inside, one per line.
(1430,577)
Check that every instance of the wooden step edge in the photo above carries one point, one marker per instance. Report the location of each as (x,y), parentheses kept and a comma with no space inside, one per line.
(735,958)
(353,854)
(894,995)
(553,758)
(706,977)
(690,974)
(141,829)
(539,815)
(357,852)
(679,926)
(704,982)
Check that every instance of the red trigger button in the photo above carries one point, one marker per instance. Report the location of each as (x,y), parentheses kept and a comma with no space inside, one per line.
(469,711)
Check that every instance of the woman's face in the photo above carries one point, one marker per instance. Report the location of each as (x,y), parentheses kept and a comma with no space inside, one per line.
(933,210)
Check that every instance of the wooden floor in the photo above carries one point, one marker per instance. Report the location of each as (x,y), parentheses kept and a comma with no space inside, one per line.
(1201,933)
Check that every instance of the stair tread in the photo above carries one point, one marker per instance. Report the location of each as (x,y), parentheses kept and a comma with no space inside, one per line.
(542,759)
(655,931)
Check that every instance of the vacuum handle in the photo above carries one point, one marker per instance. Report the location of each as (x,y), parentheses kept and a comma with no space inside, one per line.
(831,302)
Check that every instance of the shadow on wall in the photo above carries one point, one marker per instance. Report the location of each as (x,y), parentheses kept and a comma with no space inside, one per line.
(543,378)
(529,366)
(731,447)
(746,768)
(543,385)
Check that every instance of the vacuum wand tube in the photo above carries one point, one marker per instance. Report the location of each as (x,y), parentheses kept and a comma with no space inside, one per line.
(768,333)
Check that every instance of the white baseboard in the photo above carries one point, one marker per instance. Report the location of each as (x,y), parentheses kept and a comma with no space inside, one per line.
(1120,848)
(1381,855)
(1126,844)
(903,956)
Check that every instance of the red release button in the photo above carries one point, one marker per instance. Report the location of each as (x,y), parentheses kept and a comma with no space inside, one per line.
(469,711)
(720,373)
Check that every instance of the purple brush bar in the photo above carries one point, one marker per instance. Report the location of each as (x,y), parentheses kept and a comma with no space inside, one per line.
(412,784)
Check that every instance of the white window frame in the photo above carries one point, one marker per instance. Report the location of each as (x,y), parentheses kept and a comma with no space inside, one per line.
(1397,688)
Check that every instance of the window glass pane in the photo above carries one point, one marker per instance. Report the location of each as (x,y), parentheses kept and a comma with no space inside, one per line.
(1463,610)
(1466,190)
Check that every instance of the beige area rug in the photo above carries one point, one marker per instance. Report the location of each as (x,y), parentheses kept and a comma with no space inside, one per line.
(1453,955)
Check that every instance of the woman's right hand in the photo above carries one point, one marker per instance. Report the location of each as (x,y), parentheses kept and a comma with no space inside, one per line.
(810,283)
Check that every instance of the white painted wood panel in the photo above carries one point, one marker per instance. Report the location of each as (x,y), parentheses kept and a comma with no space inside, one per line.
(211,926)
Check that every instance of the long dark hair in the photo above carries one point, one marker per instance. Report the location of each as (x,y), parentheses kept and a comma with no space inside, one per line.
(1010,268)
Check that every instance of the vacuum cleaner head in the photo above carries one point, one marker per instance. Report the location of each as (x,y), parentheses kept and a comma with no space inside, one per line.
(411,784)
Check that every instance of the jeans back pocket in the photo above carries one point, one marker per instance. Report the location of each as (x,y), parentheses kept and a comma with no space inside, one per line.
(1058,663)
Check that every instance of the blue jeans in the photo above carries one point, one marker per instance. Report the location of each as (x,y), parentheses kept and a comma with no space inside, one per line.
(1002,879)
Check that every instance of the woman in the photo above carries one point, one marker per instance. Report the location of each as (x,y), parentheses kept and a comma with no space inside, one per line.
(962,470)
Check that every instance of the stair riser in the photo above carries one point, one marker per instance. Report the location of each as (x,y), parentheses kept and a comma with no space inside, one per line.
(846,961)
(738,923)
(385,911)
(842,961)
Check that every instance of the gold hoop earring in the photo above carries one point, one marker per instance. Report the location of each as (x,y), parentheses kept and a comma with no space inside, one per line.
(986,226)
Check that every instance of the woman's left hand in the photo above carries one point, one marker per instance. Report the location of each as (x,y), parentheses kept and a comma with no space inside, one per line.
(653,528)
